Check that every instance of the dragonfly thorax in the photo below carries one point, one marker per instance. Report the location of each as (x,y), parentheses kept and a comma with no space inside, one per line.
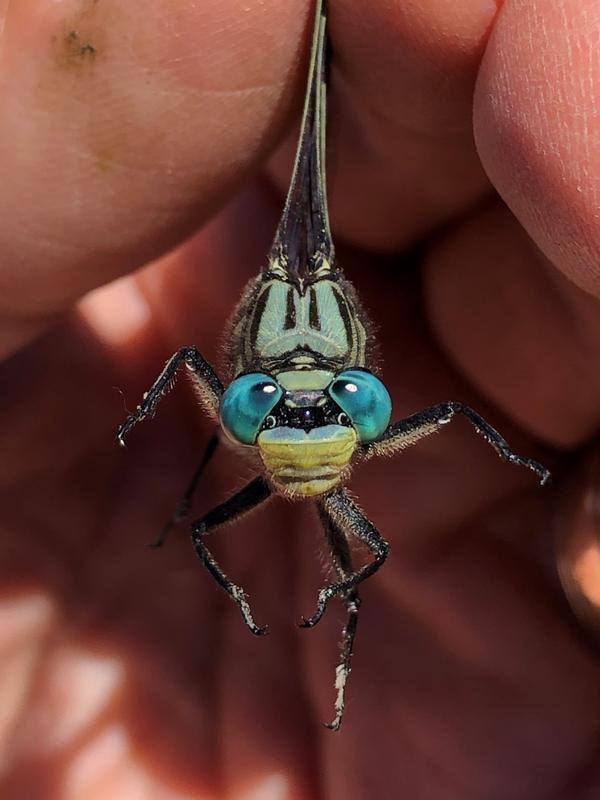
(283,325)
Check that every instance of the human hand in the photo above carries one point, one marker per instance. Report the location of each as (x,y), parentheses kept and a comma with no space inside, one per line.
(125,672)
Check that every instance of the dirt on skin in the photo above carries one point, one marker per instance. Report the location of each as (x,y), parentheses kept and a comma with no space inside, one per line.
(80,41)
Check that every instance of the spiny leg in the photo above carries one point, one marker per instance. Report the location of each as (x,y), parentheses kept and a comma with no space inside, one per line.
(407,431)
(338,545)
(245,500)
(183,506)
(208,384)
(350,519)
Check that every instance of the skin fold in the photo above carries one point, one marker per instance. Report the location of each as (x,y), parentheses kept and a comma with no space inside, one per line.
(463,162)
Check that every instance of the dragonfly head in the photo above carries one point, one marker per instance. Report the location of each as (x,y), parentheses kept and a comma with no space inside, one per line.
(306,424)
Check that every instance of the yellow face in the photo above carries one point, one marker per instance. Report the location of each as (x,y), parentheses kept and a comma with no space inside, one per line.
(304,463)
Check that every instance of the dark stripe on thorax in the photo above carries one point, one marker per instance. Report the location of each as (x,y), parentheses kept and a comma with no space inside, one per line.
(314,320)
(259,310)
(342,305)
(290,311)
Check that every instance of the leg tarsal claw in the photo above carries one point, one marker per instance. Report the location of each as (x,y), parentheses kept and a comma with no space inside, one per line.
(124,429)
(241,598)
(323,600)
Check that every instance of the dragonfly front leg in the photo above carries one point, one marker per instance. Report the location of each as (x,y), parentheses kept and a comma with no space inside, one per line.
(408,431)
(245,500)
(205,379)
(344,513)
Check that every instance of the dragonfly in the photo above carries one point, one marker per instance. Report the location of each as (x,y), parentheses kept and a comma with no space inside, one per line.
(303,398)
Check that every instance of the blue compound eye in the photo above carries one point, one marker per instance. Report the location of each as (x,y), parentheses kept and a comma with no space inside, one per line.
(364,398)
(246,403)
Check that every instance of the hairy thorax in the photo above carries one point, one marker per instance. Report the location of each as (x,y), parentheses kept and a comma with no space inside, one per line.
(278,320)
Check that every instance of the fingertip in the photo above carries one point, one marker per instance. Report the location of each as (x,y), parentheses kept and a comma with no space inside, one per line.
(535,106)
(122,129)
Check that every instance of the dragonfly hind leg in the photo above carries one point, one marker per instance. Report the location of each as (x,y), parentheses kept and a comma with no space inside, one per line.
(340,552)
(184,505)
(245,500)
(344,513)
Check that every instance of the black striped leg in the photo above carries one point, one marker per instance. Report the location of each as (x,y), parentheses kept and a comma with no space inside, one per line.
(407,431)
(204,377)
(338,506)
(340,552)
(182,508)
(245,500)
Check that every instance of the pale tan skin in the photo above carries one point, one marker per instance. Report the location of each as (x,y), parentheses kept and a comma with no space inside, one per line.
(123,671)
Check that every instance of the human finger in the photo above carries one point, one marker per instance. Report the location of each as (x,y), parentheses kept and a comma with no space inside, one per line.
(122,128)
(536,111)
(508,315)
